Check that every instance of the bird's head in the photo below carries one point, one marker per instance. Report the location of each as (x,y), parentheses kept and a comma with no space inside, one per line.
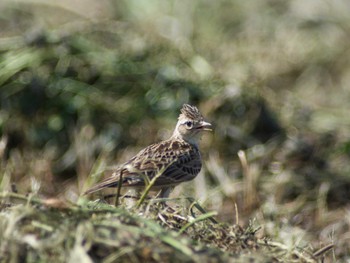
(190,124)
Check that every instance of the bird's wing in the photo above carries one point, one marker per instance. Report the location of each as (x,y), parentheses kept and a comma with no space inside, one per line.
(173,161)
(184,169)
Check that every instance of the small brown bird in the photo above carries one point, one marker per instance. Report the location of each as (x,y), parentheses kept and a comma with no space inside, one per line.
(173,161)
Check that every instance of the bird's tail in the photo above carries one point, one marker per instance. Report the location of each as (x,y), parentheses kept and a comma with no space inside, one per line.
(109,182)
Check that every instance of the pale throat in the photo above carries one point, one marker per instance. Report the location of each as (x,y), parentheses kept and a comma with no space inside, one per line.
(192,138)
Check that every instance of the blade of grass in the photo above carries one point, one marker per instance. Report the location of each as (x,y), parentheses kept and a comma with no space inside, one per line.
(119,187)
(194,203)
(197,219)
(151,183)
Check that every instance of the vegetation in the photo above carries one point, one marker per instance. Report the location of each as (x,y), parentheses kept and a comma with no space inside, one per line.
(84,87)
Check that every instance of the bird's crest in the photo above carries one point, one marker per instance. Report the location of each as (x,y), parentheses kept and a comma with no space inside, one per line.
(190,112)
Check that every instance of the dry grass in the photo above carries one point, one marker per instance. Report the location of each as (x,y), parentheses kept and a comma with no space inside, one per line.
(37,230)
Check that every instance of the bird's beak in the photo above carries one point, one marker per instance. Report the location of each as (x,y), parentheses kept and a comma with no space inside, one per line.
(205,126)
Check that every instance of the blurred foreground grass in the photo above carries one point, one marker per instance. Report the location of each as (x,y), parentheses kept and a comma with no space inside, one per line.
(85,86)
(50,230)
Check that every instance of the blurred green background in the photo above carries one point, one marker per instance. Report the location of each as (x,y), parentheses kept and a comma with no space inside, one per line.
(86,84)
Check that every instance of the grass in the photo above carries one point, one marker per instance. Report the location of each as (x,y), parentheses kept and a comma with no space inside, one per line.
(36,230)
(82,91)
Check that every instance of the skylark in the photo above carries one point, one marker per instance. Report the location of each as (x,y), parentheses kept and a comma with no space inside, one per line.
(172,161)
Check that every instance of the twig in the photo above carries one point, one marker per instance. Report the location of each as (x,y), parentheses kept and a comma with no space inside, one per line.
(237,215)
(323,250)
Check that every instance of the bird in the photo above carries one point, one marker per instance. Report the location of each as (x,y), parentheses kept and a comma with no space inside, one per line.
(169,162)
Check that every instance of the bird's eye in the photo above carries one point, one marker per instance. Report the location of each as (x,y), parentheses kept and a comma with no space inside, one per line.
(189,124)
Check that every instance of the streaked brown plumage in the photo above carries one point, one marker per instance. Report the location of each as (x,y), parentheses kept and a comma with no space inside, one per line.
(178,158)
